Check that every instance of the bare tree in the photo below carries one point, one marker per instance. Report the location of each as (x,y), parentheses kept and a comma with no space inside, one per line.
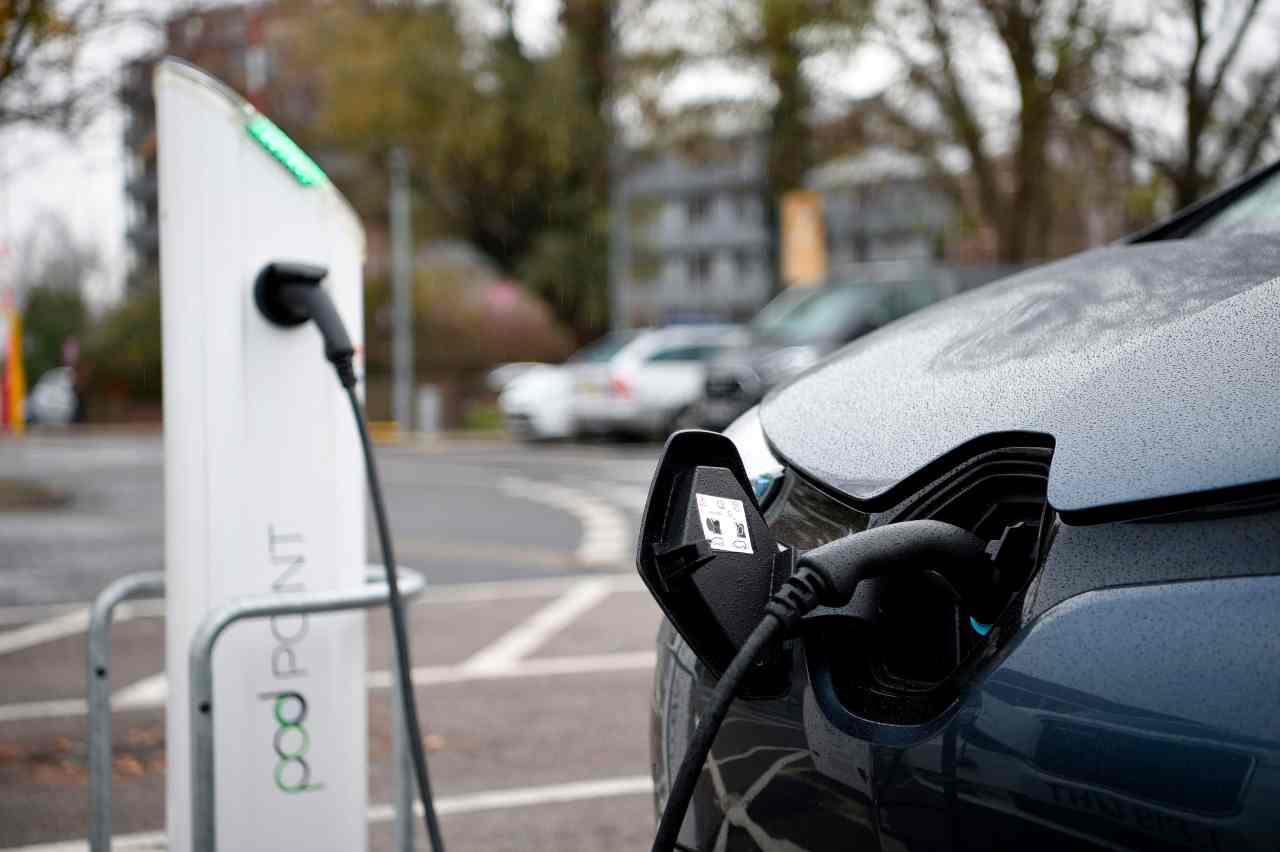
(1214,69)
(775,42)
(42,76)
(992,79)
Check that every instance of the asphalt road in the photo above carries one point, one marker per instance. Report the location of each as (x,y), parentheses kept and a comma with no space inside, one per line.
(533,648)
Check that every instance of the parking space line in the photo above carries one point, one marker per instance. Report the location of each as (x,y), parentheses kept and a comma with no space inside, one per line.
(539,667)
(153,696)
(488,590)
(41,632)
(27,615)
(148,692)
(525,797)
(463,803)
(60,708)
(497,590)
(530,634)
(437,550)
(146,841)
(605,537)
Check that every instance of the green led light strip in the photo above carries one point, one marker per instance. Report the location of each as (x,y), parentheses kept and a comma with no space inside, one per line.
(304,169)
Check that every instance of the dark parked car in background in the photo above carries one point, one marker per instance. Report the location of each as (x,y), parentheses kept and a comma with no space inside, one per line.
(798,328)
(1111,424)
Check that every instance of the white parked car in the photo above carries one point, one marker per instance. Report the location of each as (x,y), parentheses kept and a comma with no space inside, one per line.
(645,382)
(53,400)
(504,374)
(537,404)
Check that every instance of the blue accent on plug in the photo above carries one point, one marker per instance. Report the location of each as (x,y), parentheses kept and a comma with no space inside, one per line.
(978,627)
(762,483)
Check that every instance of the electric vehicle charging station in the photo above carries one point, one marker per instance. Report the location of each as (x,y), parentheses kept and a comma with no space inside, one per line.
(263,485)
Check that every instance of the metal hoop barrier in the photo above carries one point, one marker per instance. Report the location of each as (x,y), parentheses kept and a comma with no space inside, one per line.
(203,816)
(150,585)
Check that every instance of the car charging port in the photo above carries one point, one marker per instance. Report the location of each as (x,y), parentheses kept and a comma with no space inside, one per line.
(904,647)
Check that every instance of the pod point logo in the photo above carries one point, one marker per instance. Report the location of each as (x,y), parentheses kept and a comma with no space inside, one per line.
(291,740)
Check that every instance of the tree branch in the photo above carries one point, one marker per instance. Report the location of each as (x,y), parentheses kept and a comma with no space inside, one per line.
(955,105)
(1237,39)
(1262,118)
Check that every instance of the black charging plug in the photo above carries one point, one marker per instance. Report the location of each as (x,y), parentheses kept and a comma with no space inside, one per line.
(288,294)
(828,576)
(955,554)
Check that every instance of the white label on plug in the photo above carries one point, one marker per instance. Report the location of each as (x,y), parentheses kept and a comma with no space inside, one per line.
(724,523)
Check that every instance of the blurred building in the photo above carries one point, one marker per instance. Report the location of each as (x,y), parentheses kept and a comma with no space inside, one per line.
(880,205)
(695,243)
(696,239)
(245,46)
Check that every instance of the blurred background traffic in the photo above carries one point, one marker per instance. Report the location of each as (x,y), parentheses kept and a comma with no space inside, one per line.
(666,207)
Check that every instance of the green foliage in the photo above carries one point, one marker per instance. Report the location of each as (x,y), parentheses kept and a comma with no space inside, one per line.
(569,268)
(51,316)
(122,353)
(509,151)
(482,417)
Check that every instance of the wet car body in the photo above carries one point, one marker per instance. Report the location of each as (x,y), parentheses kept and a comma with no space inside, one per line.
(1116,413)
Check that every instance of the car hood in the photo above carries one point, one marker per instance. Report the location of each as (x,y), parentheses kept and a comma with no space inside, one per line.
(1151,369)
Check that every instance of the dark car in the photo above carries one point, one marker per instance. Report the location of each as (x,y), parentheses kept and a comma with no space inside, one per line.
(1110,424)
(795,330)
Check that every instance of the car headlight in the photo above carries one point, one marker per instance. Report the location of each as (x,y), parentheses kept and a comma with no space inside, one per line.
(763,468)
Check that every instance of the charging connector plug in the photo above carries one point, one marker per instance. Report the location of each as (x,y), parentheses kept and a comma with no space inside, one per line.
(289,294)
(828,576)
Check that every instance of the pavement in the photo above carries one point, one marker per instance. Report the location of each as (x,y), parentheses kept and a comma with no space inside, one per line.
(533,647)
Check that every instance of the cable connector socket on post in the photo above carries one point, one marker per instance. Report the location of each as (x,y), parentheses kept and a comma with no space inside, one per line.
(289,293)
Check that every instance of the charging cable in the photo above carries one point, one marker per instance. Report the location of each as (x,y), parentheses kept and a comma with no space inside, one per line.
(289,294)
(826,576)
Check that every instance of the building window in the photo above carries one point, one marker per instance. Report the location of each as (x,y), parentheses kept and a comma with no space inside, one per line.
(700,270)
(699,209)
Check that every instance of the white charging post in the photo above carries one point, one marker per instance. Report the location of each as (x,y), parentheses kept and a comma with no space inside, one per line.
(263,479)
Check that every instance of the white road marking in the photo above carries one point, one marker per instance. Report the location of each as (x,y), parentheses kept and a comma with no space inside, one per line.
(497,590)
(525,797)
(57,709)
(540,667)
(41,632)
(530,634)
(21,614)
(72,623)
(576,596)
(464,803)
(154,696)
(489,590)
(605,533)
(149,692)
(147,841)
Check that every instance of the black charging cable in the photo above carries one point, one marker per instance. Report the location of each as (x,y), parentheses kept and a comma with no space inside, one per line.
(289,294)
(827,576)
